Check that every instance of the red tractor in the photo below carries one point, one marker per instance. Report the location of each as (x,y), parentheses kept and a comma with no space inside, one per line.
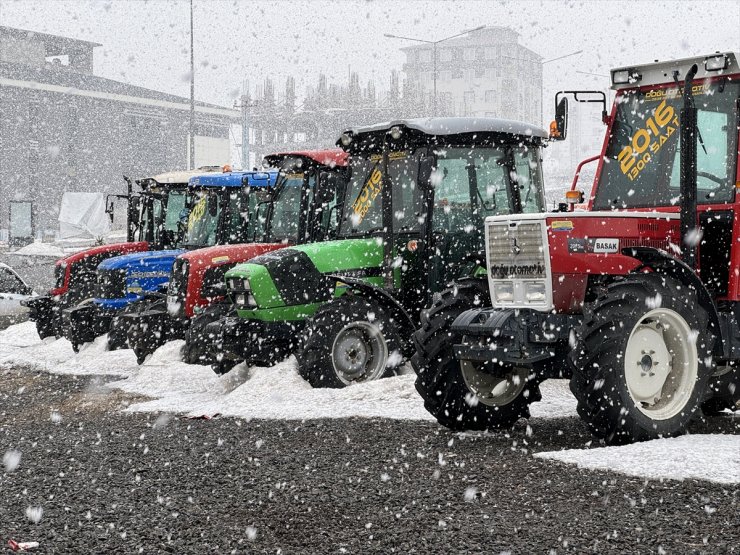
(636,299)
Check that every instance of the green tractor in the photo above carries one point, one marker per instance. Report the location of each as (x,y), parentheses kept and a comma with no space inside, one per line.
(410,222)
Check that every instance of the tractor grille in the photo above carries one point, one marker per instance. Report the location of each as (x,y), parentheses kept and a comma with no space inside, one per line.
(515,250)
(111,284)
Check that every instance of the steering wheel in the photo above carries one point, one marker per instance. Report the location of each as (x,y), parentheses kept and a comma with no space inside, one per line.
(711,177)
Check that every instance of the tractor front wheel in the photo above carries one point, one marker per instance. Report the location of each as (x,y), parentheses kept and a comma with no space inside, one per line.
(349,340)
(642,360)
(463,394)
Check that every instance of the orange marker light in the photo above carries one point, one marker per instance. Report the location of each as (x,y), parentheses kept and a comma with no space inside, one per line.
(226,168)
(573,197)
(554,129)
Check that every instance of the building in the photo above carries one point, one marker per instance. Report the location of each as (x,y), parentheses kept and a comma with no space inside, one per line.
(63,128)
(485,73)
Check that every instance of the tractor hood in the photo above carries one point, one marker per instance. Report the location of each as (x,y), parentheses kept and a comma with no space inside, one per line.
(300,275)
(89,259)
(126,279)
(152,261)
(227,254)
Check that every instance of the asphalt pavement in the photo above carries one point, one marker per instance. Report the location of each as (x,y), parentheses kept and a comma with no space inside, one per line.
(81,476)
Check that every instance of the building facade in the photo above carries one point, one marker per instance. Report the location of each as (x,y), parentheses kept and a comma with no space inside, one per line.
(63,128)
(485,73)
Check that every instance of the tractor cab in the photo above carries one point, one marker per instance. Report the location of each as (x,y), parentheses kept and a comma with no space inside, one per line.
(425,188)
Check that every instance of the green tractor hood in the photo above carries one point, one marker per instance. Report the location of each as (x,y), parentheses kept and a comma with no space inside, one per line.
(299,275)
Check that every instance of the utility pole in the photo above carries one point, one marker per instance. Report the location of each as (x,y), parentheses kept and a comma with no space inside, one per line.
(191,131)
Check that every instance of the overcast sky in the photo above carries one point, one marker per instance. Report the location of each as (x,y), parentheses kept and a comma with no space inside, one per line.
(146,42)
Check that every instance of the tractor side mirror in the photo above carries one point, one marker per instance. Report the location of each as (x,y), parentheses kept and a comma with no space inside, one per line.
(109,208)
(559,126)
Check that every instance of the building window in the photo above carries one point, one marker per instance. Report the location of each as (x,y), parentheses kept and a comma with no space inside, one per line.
(425,56)
(490,96)
(479,73)
(490,53)
(445,55)
(445,76)
(469,54)
(469,98)
(457,74)
(469,75)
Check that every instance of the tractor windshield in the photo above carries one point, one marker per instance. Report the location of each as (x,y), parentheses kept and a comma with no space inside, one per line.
(642,164)
(221,216)
(160,213)
(472,183)
(286,209)
(363,212)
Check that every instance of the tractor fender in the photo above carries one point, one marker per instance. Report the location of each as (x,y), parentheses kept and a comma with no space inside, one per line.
(665,263)
(400,315)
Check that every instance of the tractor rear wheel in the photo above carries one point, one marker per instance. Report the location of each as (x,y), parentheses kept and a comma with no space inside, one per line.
(349,340)
(724,391)
(465,395)
(642,360)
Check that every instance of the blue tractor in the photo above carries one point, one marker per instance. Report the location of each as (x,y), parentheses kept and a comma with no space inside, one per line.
(216,213)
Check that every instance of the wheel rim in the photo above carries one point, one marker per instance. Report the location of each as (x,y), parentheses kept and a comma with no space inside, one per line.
(493,391)
(359,353)
(661,363)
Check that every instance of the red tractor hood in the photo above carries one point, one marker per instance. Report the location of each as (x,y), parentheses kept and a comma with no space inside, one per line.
(223,257)
(93,255)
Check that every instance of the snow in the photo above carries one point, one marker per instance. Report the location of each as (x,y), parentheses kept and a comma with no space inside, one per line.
(715,458)
(41,249)
(271,393)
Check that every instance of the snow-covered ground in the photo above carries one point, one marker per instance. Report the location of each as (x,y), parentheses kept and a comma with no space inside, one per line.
(276,392)
(280,393)
(707,457)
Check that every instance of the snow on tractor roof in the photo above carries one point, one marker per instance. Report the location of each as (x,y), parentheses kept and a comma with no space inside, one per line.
(183,176)
(711,65)
(330,157)
(458,126)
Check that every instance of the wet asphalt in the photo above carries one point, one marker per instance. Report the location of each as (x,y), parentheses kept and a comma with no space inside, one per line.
(93,479)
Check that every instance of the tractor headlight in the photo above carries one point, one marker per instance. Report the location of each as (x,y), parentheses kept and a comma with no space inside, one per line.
(245,300)
(535,291)
(503,291)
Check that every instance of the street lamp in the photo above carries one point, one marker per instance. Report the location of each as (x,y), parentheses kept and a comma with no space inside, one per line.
(434,44)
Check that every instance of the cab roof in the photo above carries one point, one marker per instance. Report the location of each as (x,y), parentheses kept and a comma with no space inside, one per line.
(182,176)
(235,179)
(332,157)
(663,72)
(457,126)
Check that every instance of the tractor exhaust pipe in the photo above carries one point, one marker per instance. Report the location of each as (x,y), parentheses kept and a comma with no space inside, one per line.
(689,229)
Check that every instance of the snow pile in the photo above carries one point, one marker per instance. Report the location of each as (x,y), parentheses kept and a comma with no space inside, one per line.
(41,249)
(715,458)
(273,393)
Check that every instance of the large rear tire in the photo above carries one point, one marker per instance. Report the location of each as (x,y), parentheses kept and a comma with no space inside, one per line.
(349,340)
(462,395)
(642,360)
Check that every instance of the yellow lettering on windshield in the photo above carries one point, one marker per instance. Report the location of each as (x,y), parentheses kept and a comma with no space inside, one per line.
(648,140)
(368,194)
(197,212)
